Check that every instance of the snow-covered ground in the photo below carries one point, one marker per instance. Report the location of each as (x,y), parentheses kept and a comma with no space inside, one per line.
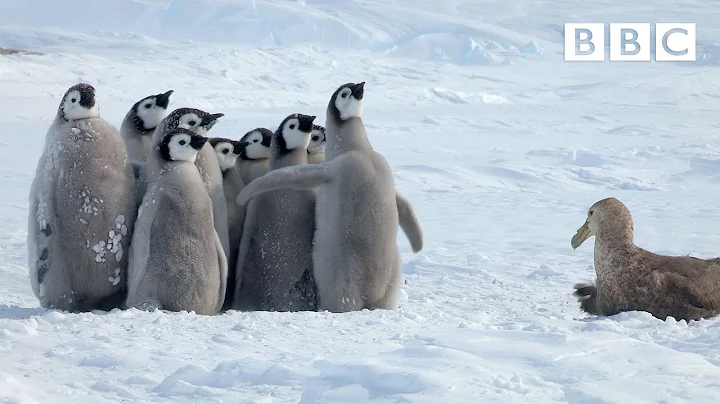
(500,145)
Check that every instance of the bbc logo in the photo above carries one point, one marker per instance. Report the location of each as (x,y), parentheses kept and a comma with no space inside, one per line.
(674,42)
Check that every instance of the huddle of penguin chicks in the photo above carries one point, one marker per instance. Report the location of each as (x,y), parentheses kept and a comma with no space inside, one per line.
(161,216)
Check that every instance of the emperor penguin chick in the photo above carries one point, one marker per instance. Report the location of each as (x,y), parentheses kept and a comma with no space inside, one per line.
(356,260)
(82,210)
(196,120)
(274,270)
(140,122)
(137,130)
(200,122)
(228,151)
(254,161)
(316,149)
(176,259)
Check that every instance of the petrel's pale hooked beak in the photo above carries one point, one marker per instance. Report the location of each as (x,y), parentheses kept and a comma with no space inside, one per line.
(582,234)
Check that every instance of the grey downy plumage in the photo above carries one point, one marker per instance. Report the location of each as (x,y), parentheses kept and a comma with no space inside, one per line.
(177,261)
(274,268)
(82,210)
(356,261)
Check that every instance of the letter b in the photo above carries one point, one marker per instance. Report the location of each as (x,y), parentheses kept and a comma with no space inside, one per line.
(629,37)
(630,42)
(585,42)
(583,37)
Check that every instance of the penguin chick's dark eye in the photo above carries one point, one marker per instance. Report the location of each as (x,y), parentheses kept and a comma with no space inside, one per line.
(292,126)
(226,151)
(192,123)
(344,95)
(148,106)
(256,140)
(590,213)
(74,100)
(315,137)
(182,143)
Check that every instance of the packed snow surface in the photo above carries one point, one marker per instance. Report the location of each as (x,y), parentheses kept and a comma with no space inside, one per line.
(499,144)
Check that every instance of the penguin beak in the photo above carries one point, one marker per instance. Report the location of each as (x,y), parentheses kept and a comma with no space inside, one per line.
(240,146)
(305,123)
(210,120)
(359,91)
(163,100)
(582,234)
(197,142)
(87,97)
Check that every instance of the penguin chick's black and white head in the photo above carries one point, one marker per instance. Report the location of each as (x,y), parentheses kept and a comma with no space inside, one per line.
(294,133)
(258,147)
(317,140)
(148,112)
(347,101)
(192,118)
(227,151)
(181,144)
(79,103)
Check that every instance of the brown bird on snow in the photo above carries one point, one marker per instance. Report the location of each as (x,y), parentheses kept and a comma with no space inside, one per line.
(630,278)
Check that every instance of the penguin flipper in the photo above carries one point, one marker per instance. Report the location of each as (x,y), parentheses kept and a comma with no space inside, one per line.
(139,251)
(409,222)
(38,241)
(40,227)
(295,177)
(222,261)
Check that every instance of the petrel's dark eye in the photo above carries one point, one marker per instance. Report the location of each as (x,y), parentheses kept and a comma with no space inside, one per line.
(182,143)
(590,213)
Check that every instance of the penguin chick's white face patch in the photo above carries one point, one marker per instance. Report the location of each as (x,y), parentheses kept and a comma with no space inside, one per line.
(73,110)
(226,155)
(256,149)
(317,142)
(347,105)
(294,137)
(150,113)
(180,148)
(190,121)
